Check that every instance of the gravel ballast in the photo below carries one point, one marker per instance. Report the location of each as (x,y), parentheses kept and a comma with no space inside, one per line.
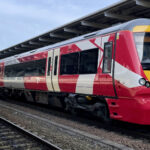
(56,135)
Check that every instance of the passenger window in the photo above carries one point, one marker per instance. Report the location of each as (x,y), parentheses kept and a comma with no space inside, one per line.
(88,61)
(69,64)
(55,69)
(31,68)
(49,66)
(40,67)
(107,58)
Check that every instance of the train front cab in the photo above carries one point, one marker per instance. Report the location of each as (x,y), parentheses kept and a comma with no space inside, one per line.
(132,76)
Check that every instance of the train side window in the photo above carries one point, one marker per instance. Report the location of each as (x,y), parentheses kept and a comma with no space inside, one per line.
(9,71)
(40,67)
(107,58)
(18,70)
(49,66)
(55,66)
(88,61)
(6,71)
(31,68)
(69,64)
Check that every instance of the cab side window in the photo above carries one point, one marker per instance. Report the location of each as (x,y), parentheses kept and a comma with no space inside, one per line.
(107,59)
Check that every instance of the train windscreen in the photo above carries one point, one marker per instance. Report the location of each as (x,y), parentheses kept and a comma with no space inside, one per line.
(142,41)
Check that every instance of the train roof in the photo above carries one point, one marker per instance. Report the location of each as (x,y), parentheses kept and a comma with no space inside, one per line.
(117,13)
(125,26)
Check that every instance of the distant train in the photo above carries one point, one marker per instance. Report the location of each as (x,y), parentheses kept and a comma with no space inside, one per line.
(106,73)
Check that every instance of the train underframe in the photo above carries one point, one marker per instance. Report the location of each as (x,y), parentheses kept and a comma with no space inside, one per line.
(72,103)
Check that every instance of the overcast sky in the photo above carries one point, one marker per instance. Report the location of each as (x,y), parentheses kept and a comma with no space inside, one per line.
(24,19)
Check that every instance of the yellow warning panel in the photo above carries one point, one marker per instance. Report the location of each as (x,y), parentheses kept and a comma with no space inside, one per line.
(147,73)
(144,28)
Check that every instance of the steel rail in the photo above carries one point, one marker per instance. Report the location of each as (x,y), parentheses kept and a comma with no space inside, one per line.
(74,131)
(38,139)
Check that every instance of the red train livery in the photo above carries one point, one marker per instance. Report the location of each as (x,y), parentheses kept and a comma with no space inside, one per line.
(106,73)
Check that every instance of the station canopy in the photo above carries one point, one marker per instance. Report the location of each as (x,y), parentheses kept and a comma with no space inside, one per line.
(120,12)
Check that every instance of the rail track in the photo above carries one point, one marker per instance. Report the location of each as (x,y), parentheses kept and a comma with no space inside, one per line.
(13,137)
(40,112)
(117,126)
(75,132)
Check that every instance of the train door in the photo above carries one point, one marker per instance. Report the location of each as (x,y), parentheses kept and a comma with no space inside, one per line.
(55,82)
(107,87)
(49,70)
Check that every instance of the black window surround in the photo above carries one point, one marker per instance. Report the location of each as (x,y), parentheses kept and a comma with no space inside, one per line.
(84,62)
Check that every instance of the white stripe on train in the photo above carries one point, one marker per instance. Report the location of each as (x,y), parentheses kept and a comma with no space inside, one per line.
(126,77)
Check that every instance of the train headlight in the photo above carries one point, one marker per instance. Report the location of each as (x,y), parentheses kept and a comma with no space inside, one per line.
(147,84)
(142,81)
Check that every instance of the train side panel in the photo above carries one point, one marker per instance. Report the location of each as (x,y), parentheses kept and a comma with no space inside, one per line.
(105,75)
(68,82)
(84,83)
(36,82)
(12,81)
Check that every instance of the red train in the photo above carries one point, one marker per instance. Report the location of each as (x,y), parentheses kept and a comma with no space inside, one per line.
(106,72)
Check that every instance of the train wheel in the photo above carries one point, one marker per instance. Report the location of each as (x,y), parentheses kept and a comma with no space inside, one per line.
(70,109)
(102,112)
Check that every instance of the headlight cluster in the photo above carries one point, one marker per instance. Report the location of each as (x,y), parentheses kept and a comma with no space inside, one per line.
(143,82)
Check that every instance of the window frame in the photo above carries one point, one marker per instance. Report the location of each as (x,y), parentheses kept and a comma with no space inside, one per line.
(111,42)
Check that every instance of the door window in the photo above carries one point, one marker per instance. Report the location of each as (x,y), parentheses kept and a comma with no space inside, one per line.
(49,66)
(55,69)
